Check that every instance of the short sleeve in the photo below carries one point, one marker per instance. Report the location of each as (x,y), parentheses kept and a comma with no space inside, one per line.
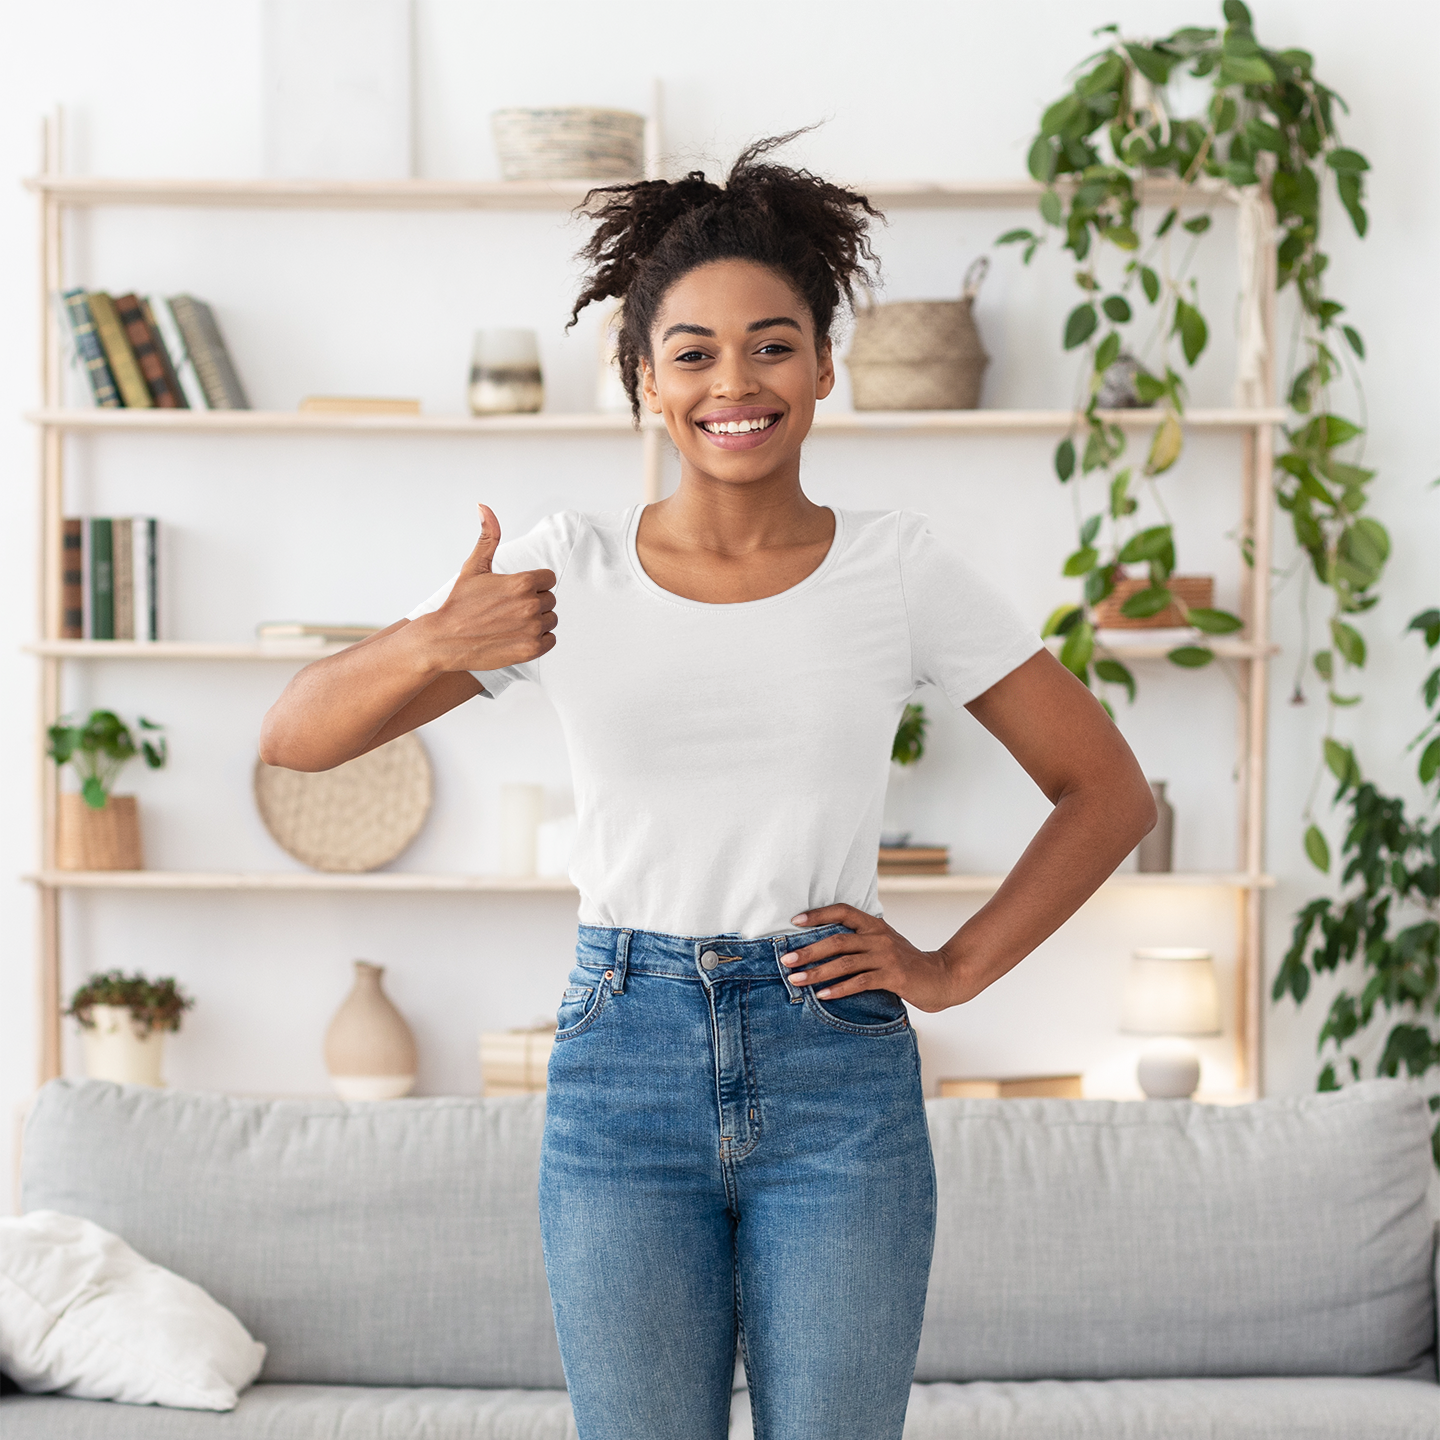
(964,634)
(547,546)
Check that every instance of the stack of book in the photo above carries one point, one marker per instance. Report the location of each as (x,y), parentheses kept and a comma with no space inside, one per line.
(914,859)
(152,352)
(311,637)
(110,578)
(514,1062)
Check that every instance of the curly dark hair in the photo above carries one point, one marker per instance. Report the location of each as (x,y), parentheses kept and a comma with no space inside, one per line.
(650,233)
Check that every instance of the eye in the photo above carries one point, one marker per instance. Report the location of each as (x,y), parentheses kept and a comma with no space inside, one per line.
(688,357)
(775,347)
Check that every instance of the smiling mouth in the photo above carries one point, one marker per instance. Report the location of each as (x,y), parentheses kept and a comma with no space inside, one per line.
(738,427)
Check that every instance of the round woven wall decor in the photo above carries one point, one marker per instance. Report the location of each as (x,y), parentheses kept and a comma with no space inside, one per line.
(358,816)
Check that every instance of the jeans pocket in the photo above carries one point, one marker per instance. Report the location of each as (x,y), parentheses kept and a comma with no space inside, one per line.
(580,1005)
(871,1012)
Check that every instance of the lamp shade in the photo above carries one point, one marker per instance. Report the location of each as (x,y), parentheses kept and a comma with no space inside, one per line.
(1171,991)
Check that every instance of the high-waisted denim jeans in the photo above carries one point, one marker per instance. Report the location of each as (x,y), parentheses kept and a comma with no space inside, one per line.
(727,1155)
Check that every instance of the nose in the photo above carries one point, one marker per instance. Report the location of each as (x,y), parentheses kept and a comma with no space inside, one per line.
(734,379)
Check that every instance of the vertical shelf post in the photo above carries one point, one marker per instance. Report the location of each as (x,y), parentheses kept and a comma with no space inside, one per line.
(52,504)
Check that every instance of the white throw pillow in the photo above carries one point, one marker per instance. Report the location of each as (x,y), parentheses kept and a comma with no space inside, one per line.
(82,1313)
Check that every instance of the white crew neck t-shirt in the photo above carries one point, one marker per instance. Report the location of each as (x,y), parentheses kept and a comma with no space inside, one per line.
(730,761)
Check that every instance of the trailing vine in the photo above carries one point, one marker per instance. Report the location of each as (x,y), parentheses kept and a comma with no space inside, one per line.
(1269,129)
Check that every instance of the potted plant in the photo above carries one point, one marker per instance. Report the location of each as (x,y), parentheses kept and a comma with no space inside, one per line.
(123,1020)
(905,753)
(98,830)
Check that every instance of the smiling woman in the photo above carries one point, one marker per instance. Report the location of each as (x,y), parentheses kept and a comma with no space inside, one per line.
(735,1140)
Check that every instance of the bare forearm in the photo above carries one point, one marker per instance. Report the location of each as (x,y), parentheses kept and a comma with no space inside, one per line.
(342,706)
(1088,833)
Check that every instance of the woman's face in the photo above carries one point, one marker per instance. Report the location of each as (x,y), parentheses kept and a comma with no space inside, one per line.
(736,371)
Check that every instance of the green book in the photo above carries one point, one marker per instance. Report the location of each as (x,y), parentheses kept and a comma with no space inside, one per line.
(102,579)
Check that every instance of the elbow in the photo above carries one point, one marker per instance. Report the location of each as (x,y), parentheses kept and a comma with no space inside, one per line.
(278,748)
(1144,811)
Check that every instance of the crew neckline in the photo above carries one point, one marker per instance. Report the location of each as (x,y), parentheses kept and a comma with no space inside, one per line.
(632,531)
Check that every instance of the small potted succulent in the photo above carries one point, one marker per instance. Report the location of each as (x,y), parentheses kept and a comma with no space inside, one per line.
(123,1020)
(98,830)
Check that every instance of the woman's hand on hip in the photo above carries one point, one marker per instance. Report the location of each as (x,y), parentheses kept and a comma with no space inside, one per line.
(488,620)
(875,956)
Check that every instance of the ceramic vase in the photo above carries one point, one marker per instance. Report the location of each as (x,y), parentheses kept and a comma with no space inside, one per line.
(1154,854)
(369,1050)
(105,839)
(116,1049)
(505,374)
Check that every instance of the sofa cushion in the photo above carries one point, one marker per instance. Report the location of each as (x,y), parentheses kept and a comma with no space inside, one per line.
(395,1243)
(1092,1239)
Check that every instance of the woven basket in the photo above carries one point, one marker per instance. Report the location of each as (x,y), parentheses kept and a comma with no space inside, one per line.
(90,839)
(358,816)
(1196,592)
(573,143)
(919,354)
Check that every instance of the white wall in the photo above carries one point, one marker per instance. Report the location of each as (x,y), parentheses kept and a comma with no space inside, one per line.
(345,529)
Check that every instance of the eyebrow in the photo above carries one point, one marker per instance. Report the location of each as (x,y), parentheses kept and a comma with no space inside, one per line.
(749,329)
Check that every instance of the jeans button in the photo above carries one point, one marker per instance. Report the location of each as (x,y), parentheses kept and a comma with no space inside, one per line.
(709,960)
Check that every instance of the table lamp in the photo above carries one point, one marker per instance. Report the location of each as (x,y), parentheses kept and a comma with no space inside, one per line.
(1170,992)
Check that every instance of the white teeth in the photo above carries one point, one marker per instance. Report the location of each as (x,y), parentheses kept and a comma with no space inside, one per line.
(737,427)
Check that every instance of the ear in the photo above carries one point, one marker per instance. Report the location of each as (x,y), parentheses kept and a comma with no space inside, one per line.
(825,373)
(648,392)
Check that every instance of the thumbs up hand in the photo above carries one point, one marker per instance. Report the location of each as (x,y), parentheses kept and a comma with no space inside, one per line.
(488,620)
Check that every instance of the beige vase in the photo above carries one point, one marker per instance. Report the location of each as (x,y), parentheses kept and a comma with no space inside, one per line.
(116,1049)
(369,1050)
(89,839)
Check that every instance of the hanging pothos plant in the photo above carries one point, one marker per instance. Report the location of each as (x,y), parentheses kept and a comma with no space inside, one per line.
(1269,126)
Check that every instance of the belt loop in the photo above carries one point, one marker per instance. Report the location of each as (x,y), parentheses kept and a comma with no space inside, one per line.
(621,963)
(783,947)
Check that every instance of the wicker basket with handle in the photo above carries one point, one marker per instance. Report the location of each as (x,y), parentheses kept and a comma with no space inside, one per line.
(919,354)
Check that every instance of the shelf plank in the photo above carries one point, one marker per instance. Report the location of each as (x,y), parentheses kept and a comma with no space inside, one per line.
(91,190)
(177,650)
(402,882)
(1157,644)
(1131,645)
(838,422)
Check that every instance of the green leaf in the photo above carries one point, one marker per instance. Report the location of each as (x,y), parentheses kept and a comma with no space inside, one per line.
(1052,211)
(1123,236)
(1214,622)
(1146,545)
(1343,700)
(1108,352)
(1245,70)
(1341,761)
(1065,459)
(1041,160)
(1060,114)
(1324,663)
(1318,849)
(1116,308)
(1121,501)
(1145,603)
(1430,761)
(1191,657)
(1170,217)
(1199,225)
(1352,335)
(1062,619)
(1264,137)
(1114,673)
(1190,324)
(1080,325)
(1349,642)
(1090,529)
(1350,161)
(1150,283)
(1083,560)
(1015,237)
(1236,12)
(1078,648)
(1165,448)
(1149,388)
(93,793)
(1427,622)
(1154,65)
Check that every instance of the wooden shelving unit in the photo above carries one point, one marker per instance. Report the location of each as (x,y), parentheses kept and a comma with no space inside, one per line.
(1248,653)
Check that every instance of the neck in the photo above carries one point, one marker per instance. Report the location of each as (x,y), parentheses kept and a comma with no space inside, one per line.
(732,519)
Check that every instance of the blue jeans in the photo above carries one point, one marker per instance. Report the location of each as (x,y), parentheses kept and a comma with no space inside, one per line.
(728,1157)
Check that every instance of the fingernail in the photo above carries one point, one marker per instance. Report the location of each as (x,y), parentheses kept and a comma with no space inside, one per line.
(797,919)
(798,979)
(823,994)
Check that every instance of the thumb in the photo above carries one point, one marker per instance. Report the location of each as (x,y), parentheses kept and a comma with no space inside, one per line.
(480,557)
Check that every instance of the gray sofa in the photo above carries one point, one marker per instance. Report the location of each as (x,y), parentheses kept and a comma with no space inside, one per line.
(1105,1270)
